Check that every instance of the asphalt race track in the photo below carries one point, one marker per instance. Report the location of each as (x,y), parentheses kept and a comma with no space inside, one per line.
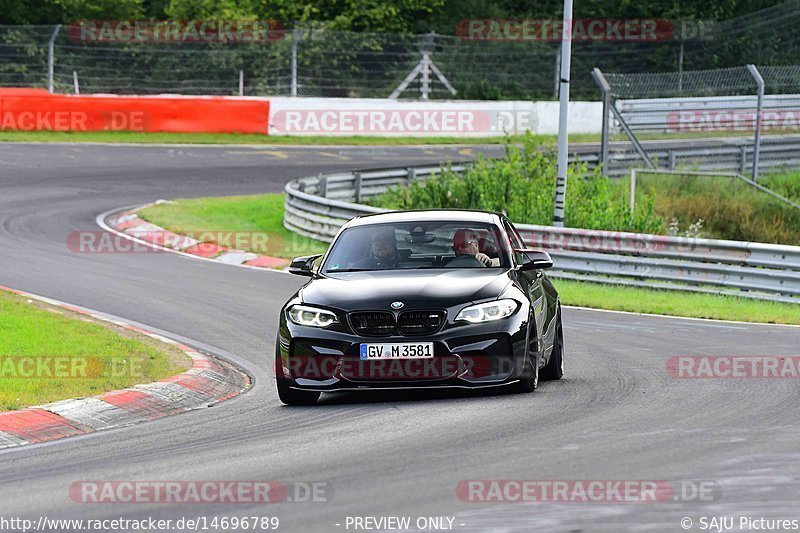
(617,415)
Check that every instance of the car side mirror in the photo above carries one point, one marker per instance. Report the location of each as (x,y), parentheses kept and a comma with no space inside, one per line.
(535,260)
(303,266)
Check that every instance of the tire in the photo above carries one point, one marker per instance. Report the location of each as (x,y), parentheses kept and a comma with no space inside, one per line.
(554,369)
(286,394)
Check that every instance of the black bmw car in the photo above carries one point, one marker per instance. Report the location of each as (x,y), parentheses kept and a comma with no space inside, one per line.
(439,298)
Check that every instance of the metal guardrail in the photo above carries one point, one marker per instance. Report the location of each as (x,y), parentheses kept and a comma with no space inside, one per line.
(317,206)
(777,153)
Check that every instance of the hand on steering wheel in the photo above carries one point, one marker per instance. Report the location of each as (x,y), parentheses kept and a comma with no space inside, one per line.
(483,258)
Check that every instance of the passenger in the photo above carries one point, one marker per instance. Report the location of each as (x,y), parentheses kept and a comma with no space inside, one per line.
(465,245)
(382,251)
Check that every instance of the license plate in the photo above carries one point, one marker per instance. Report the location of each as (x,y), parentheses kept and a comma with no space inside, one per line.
(417,350)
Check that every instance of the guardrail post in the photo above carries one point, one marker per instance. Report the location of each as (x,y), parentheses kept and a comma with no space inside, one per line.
(742,158)
(671,158)
(357,187)
(411,174)
(322,186)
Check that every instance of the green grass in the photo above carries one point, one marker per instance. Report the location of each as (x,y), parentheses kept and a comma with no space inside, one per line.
(253,217)
(786,184)
(677,303)
(287,140)
(729,209)
(99,357)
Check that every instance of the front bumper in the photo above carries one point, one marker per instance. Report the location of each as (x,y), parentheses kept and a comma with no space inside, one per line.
(465,356)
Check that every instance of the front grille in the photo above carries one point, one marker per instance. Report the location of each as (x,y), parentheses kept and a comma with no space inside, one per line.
(373,323)
(420,322)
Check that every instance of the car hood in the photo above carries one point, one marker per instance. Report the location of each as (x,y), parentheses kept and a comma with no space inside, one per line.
(416,289)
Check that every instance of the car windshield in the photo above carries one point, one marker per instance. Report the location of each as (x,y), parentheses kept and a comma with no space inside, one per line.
(417,245)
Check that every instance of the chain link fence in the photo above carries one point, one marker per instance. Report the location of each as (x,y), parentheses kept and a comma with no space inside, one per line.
(765,37)
(23,55)
(304,62)
(733,107)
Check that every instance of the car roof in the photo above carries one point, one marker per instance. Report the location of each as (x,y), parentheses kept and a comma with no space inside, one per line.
(454,215)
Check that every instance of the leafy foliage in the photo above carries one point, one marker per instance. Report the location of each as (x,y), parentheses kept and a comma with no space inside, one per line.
(403,16)
(521,185)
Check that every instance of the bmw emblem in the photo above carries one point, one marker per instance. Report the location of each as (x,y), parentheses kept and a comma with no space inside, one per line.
(397,305)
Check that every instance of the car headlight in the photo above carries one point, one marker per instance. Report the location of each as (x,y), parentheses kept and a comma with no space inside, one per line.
(304,315)
(487,312)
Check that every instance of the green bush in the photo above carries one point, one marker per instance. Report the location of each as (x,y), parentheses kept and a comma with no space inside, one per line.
(521,184)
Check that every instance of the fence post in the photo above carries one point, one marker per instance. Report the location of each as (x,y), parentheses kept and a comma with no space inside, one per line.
(295,37)
(357,186)
(757,141)
(606,90)
(241,83)
(75,82)
(742,158)
(51,58)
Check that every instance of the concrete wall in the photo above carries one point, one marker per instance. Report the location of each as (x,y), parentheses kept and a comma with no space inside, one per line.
(460,118)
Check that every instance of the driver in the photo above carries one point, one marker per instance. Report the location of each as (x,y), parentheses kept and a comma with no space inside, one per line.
(382,250)
(465,245)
